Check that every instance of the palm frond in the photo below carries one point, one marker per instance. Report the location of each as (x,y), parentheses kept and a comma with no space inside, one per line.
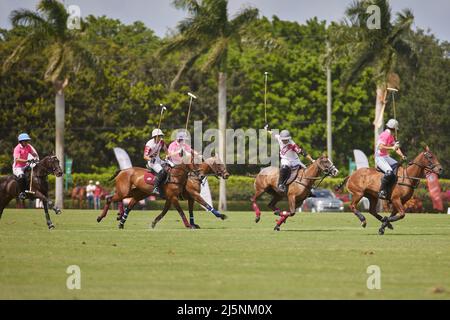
(217,55)
(365,58)
(56,13)
(244,18)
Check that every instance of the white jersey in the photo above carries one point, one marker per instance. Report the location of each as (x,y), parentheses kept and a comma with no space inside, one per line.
(153,149)
(289,152)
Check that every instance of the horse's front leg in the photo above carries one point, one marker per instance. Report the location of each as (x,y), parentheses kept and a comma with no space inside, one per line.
(283,216)
(53,207)
(162,214)
(177,206)
(397,207)
(39,195)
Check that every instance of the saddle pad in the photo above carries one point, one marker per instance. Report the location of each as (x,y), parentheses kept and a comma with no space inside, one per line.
(149,178)
(294,172)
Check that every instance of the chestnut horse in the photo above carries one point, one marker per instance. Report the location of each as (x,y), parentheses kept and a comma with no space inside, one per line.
(9,187)
(299,189)
(211,166)
(366,182)
(78,194)
(130,184)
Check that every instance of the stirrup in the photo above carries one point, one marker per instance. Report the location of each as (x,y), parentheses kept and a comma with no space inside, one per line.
(22,196)
(156,191)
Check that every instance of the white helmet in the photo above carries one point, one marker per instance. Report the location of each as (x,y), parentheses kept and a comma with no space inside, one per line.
(285,135)
(392,124)
(157,132)
(181,135)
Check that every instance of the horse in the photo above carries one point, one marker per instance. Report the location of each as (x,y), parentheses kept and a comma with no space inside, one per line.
(78,194)
(211,166)
(366,182)
(298,191)
(9,187)
(130,183)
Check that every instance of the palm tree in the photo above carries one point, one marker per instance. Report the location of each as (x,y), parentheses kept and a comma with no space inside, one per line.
(208,33)
(48,33)
(381,48)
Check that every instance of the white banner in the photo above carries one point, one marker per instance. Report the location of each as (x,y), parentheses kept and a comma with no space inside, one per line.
(205,192)
(361,159)
(122,158)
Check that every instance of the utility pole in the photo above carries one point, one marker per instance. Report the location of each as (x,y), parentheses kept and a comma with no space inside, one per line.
(329,106)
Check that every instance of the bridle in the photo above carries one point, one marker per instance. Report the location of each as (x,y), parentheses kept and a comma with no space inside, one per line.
(325,172)
(47,169)
(429,168)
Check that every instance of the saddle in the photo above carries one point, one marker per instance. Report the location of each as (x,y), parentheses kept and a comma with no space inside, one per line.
(293,176)
(149,178)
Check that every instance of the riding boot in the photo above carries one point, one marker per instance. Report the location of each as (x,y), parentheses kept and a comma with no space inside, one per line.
(160,178)
(22,181)
(285,172)
(385,184)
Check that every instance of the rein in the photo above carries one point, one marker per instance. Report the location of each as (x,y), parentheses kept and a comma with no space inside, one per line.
(427,168)
(324,172)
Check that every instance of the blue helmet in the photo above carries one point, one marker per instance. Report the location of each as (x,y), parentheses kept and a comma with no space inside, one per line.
(24,137)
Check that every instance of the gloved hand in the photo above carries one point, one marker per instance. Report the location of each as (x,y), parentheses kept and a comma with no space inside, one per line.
(396,145)
(266,127)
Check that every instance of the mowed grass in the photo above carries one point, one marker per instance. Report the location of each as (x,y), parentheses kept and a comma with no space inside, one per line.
(315,256)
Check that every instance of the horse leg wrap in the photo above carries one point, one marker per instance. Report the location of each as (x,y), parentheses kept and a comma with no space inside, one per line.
(213,211)
(256,209)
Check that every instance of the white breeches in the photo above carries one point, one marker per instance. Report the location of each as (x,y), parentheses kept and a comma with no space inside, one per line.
(18,171)
(385,163)
(292,163)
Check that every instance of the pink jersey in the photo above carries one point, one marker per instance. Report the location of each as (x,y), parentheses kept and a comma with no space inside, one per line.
(23,153)
(176,147)
(387,139)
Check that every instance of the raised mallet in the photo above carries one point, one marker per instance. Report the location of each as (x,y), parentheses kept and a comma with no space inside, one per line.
(163,108)
(393,91)
(266,74)
(190,106)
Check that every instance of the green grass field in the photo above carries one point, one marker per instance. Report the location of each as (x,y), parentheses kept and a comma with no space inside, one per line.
(315,256)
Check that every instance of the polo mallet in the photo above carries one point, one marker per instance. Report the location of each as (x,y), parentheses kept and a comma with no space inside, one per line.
(163,108)
(266,74)
(190,106)
(393,91)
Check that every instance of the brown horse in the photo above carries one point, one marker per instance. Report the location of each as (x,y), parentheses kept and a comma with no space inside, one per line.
(366,182)
(130,184)
(9,187)
(78,194)
(299,190)
(211,166)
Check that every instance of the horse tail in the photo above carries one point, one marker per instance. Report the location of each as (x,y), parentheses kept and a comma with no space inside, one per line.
(340,185)
(115,175)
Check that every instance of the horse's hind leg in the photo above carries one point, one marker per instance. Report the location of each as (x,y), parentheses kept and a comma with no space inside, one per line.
(130,206)
(162,214)
(354,207)
(108,202)
(191,213)
(177,206)
(272,204)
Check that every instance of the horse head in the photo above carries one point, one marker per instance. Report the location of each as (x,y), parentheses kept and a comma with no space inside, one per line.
(427,160)
(51,165)
(217,167)
(326,166)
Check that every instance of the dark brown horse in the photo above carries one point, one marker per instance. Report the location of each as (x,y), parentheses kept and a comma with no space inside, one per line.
(211,166)
(9,187)
(366,183)
(78,194)
(299,189)
(130,183)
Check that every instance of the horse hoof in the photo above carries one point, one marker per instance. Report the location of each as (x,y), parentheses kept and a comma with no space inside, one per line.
(277,228)
(153,225)
(121,226)
(58,211)
(364,224)
(51,227)
(223,217)
(99,219)
(257,219)
(277,213)
(118,218)
(381,231)
(196,226)
(390,227)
